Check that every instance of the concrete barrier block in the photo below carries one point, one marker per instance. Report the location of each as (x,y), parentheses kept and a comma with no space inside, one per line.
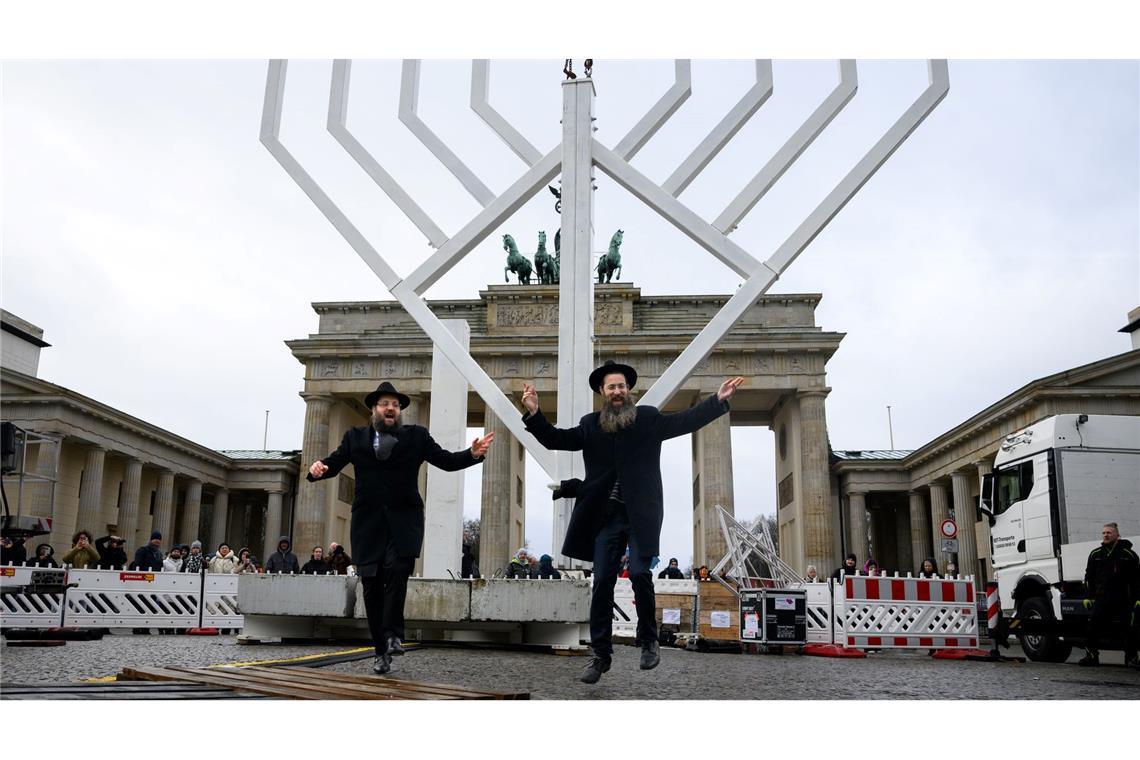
(530,601)
(301,595)
(434,600)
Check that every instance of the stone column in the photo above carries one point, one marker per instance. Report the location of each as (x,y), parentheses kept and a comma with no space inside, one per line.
(91,492)
(314,500)
(495,504)
(815,476)
(714,442)
(964,512)
(920,531)
(129,506)
(47,464)
(221,517)
(273,529)
(857,519)
(191,512)
(939,511)
(164,507)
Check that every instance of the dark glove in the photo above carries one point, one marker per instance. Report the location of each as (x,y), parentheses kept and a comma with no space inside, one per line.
(567,489)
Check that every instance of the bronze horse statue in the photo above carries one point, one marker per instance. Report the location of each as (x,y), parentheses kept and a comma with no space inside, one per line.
(610,262)
(516,262)
(544,264)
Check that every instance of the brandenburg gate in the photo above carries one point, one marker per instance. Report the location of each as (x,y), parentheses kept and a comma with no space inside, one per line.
(776,347)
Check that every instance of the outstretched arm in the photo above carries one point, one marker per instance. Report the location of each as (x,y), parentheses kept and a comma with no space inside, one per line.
(559,439)
(451,461)
(333,463)
(689,421)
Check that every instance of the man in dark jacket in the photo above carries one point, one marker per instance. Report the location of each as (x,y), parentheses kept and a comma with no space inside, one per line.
(620,502)
(112,556)
(673,572)
(850,566)
(283,560)
(149,556)
(387,527)
(316,564)
(1112,578)
(467,566)
(546,569)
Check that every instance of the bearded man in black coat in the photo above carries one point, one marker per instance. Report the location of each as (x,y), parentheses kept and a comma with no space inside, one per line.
(387,527)
(620,502)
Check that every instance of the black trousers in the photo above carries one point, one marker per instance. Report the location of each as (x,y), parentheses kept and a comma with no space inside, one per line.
(609,546)
(1103,613)
(385,589)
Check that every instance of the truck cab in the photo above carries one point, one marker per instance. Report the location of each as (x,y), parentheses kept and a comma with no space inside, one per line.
(1053,487)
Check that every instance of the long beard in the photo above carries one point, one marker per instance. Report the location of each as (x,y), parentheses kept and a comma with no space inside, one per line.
(612,420)
(380,424)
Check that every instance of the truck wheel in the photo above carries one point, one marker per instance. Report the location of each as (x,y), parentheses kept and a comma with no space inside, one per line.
(1043,647)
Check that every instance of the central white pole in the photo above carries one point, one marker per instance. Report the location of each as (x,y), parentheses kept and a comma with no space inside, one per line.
(576,286)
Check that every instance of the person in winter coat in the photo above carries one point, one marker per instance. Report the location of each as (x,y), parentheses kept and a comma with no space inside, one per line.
(112,556)
(929,569)
(82,553)
(173,561)
(850,566)
(519,566)
(283,560)
(871,567)
(672,572)
(316,564)
(195,561)
(546,569)
(338,559)
(44,557)
(245,562)
(387,527)
(812,575)
(467,566)
(148,557)
(225,561)
(12,551)
(1112,578)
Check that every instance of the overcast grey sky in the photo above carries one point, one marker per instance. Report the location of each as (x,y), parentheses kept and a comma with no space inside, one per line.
(168,257)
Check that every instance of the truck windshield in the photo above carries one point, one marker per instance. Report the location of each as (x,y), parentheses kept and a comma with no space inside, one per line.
(1013,485)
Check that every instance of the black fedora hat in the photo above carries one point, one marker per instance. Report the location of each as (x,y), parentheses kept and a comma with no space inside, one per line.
(609,368)
(386,389)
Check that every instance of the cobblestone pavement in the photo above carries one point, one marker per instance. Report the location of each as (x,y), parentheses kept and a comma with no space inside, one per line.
(681,675)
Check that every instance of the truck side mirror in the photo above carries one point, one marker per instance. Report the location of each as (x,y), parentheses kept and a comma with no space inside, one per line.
(986,500)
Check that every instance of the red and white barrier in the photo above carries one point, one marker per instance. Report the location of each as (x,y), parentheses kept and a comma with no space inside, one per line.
(929,613)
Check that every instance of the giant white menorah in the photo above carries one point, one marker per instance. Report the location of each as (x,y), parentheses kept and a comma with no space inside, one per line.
(576,157)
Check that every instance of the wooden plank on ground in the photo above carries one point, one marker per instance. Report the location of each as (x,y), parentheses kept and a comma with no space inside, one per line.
(315,683)
(233,678)
(371,688)
(421,686)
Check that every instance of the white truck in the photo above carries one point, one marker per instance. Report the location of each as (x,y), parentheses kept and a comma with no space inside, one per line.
(1053,487)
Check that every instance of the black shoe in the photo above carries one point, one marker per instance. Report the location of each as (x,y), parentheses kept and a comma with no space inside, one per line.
(395,647)
(650,655)
(383,664)
(594,669)
(1092,658)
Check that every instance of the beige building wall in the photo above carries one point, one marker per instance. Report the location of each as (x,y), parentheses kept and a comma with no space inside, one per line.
(786,427)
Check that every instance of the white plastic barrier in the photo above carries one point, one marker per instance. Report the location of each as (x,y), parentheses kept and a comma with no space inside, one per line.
(824,626)
(885,613)
(23,610)
(124,599)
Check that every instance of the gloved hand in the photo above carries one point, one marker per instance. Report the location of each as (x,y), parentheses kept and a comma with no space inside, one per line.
(1087,603)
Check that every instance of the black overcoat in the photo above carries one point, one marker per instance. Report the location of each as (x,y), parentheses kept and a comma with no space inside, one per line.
(634,455)
(388,489)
